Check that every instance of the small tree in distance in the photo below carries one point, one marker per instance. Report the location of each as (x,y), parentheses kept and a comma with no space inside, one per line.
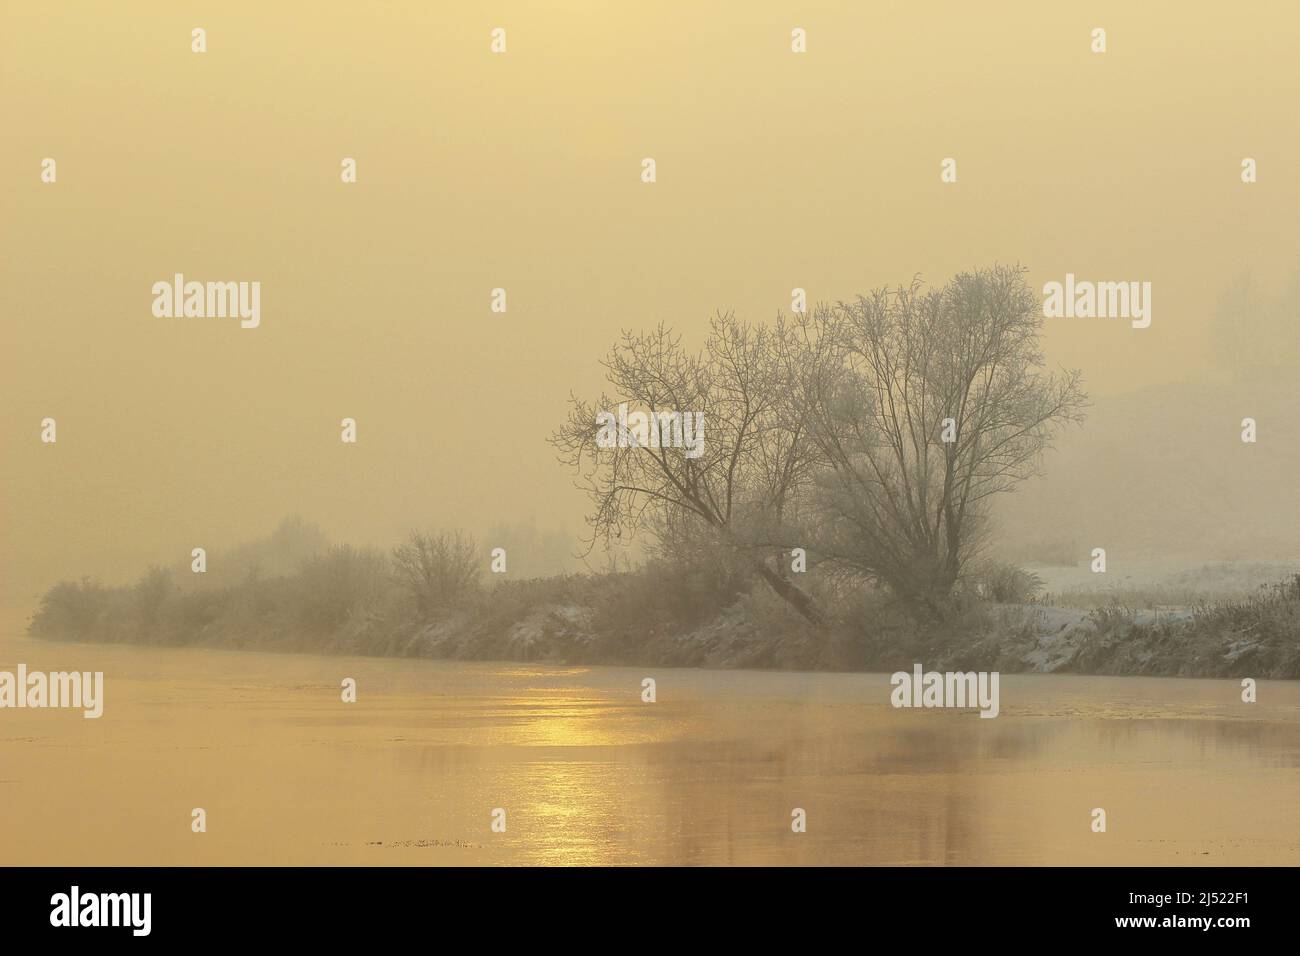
(438,571)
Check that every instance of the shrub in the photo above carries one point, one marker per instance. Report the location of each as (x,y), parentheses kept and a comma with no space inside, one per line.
(70,610)
(438,571)
(334,585)
(1005,584)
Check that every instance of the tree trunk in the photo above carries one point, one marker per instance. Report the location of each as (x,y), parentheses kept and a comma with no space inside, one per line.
(793,596)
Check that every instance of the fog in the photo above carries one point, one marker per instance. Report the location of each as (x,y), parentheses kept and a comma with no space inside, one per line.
(521,172)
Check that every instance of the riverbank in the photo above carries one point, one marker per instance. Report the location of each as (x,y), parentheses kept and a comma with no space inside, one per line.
(620,619)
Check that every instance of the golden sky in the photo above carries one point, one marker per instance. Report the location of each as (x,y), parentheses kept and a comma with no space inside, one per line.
(522,171)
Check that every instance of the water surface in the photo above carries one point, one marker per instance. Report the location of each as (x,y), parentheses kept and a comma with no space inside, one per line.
(588,774)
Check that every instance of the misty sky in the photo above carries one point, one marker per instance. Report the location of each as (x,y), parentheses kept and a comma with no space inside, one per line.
(521,171)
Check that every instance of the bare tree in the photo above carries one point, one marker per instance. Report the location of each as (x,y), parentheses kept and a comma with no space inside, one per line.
(438,570)
(738,479)
(922,404)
